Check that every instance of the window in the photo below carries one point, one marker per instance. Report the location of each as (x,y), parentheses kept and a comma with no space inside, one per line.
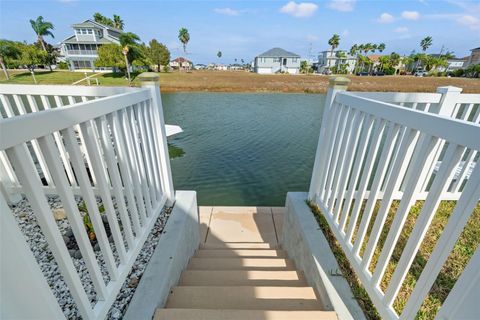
(84,31)
(276,59)
(294,59)
(81,64)
(90,31)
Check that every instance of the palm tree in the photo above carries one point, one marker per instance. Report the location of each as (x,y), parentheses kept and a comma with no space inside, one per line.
(219,54)
(334,41)
(42,28)
(184,37)
(128,41)
(118,22)
(381,47)
(426,43)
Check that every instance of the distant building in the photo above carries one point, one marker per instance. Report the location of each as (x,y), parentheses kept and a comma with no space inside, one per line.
(181,63)
(474,57)
(80,50)
(328,59)
(277,60)
(454,64)
(200,66)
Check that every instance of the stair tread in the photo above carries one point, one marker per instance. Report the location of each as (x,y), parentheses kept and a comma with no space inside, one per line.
(229,314)
(243,297)
(241,278)
(239,245)
(238,263)
(213,253)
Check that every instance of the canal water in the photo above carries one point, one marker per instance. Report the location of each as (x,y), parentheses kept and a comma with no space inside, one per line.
(244,149)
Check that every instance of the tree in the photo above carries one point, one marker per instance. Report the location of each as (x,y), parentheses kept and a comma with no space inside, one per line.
(304,67)
(426,43)
(184,37)
(334,41)
(219,54)
(118,22)
(8,51)
(31,57)
(110,55)
(130,49)
(42,28)
(381,47)
(98,17)
(158,54)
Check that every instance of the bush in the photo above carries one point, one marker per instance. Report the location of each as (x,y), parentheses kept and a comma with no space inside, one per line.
(62,65)
(458,73)
(389,71)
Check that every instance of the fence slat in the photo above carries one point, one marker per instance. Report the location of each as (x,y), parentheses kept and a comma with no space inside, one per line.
(112,166)
(93,149)
(359,160)
(440,184)
(73,149)
(27,175)
(73,214)
(392,184)
(459,217)
(132,162)
(120,146)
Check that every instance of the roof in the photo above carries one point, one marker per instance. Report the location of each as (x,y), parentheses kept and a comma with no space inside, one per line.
(374,57)
(278,53)
(102,40)
(181,59)
(474,49)
(90,23)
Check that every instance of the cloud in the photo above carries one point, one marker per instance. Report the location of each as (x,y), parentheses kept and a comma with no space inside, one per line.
(410,15)
(386,18)
(345,33)
(299,10)
(226,11)
(342,5)
(401,30)
(469,21)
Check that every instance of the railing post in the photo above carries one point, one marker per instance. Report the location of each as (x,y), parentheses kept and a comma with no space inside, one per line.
(446,107)
(151,81)
(7,186)
(336,84)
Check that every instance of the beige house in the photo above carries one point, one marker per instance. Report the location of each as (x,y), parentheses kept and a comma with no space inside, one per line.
(474,57)
(181,63)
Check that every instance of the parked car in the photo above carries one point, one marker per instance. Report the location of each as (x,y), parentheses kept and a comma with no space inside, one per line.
(363,73)
(420,73)
(379,73)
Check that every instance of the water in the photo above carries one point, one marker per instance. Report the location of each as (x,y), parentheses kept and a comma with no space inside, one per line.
(244,149)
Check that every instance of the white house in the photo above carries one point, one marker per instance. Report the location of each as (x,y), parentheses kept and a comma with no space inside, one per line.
(181,63)
(80,50)
(329,59)
(277,60)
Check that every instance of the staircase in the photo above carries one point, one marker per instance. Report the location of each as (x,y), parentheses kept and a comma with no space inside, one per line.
(242,280)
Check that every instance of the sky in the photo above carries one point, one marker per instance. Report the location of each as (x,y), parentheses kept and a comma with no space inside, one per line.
(244,29)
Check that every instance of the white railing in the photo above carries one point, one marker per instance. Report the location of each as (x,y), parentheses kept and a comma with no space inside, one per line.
(106,142)
(82,52)
(372,151)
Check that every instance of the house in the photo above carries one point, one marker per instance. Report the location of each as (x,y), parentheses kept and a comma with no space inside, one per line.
(181,63)
(200,66)
(454,64)
(277,60)
(221,67)
(335,59)
(80,50)
(474,57)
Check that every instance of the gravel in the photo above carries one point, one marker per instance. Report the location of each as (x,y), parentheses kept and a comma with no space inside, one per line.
(28,224)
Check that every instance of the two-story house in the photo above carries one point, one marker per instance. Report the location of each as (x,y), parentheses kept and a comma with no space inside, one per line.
(327,60)
(80,50)
(277,60)
(474,57)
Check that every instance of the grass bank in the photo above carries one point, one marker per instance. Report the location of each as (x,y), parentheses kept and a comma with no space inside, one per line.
(464,249)
(241,81)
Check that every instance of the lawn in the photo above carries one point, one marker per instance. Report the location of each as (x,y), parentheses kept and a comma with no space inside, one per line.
(241,81)
(464,249)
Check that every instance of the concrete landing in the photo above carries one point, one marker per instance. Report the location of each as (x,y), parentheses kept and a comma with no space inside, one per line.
(224,226)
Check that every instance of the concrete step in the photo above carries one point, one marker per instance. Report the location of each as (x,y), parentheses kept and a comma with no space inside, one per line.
(242,278)
(240,264)
(251,298)
(232,253)
(239,245)
(206,314)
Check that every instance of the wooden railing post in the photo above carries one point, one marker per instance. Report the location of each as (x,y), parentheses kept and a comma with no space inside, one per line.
(336,84)
(151,81)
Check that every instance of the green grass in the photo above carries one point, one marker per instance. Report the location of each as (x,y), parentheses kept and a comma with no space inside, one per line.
(174,151)
(43,77)
(464,249)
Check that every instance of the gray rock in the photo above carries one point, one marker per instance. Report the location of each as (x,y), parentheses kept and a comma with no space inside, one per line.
(96,247)
(78,254)
(72,252)
(59,214)
(69,232)
(66,239)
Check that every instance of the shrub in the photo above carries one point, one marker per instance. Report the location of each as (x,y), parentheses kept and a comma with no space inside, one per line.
(62,65)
